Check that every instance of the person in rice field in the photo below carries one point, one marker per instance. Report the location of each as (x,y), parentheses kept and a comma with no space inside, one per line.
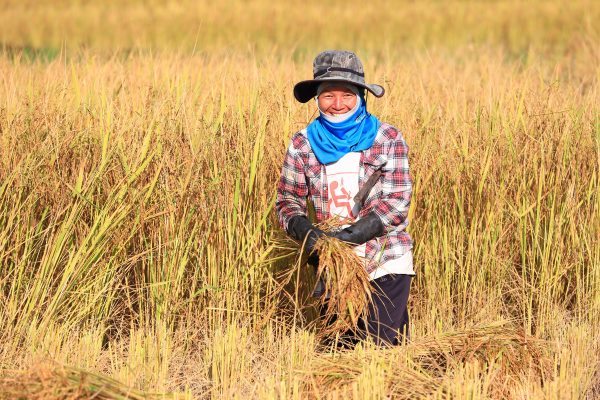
(346,149)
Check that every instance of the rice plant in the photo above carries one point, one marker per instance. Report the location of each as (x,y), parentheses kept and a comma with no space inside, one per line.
(140,147)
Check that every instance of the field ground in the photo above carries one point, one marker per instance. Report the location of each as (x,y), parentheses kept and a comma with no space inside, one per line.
(140,146)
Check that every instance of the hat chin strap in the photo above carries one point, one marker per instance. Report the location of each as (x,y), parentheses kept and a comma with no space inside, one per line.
(341,117)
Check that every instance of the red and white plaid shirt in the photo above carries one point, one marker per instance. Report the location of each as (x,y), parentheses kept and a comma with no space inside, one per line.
(303,176)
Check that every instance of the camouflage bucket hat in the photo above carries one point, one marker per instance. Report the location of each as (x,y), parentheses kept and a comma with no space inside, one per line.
(335,66)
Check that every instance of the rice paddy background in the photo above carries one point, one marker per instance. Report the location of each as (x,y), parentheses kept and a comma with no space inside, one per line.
(140,145)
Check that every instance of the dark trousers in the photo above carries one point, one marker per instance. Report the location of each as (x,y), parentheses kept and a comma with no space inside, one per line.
(387,320)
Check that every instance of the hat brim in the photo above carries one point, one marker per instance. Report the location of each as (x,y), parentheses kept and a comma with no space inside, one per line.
(306,90)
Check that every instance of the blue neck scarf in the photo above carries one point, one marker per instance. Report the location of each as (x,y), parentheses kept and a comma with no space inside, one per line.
(331,141)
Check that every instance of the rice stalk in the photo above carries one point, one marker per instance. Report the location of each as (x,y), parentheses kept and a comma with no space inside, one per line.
(53,381)
(430,365)
(180,153)
(348,293)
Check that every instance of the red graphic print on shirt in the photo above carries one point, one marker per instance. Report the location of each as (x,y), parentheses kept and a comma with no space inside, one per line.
(342,181)
(340,198)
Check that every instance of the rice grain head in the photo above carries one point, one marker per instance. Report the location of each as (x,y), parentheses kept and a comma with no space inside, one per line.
(347,289)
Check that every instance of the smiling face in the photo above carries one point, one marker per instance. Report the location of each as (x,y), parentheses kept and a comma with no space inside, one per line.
(336,100)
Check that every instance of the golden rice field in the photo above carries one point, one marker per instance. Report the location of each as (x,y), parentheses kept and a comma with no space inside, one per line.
(140,146)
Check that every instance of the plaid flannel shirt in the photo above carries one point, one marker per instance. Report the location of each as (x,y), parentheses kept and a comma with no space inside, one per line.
(303,177)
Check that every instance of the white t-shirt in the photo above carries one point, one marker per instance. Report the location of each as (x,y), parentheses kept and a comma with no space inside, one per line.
(342,185)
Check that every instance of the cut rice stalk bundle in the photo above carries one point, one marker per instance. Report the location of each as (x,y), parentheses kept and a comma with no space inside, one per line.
(53,381)
(347,289)
(429,365)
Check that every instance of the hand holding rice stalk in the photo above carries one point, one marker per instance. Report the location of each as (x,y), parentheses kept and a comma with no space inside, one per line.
(347,289)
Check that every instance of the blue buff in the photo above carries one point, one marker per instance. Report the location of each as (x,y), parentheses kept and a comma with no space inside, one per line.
(330,141)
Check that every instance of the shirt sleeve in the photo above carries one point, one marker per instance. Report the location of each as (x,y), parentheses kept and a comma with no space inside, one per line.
(393,205)
(292,189)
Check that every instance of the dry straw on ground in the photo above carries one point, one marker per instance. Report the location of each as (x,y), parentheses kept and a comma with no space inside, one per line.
(52,381)
(425,367)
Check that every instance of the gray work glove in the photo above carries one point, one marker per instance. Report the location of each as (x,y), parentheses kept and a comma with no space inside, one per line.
(363,230)
(301,229)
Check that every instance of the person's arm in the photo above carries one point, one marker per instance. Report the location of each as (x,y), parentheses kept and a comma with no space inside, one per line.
(292,189)
(391,208)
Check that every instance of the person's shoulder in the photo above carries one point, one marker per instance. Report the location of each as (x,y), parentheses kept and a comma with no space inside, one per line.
(388,132)
(299,141)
